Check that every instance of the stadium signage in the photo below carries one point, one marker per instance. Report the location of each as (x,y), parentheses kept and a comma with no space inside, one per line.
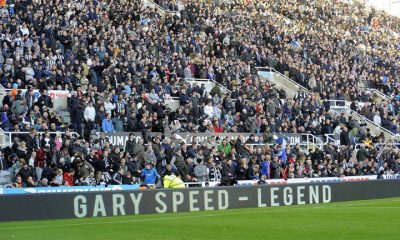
(313,180)
(395,176)
(196,200)
(74,189)
(153,201)
(119,139)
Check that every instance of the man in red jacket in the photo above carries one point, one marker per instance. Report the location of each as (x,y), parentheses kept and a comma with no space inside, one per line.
(217,128)
(69,177)
(41,157)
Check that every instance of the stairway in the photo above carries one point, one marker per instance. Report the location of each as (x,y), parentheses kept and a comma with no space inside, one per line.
(292,88)
(281,81)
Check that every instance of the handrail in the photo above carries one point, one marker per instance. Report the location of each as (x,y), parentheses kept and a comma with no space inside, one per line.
(393,144)
(287,89)
(154,5)
(315,140)
(379,93)
(299,86)
(10,139)
(370,122)
(164,11)
(361,117)
(346,103)
(330,138)
(208,80)
(333,103)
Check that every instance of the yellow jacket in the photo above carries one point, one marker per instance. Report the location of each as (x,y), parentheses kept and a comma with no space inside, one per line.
(173,181)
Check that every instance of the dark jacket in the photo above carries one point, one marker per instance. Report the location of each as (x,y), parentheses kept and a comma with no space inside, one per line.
(242,173)
(344,138)
(25,174)
(129,146)
(275,171)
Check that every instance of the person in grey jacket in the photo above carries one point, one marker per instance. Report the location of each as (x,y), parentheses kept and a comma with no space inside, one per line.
(201,171)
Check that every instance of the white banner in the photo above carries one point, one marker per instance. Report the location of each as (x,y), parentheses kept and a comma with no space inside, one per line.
(311,180)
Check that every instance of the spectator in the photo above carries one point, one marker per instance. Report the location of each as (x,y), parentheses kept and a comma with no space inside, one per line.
(201,172)
(120,78)
(107,125)
(117,177)
(149,174)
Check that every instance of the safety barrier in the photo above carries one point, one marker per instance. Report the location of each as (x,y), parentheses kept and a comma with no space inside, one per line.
(119,203)
(9,136)
(378,93)
(159,9)
(208,84)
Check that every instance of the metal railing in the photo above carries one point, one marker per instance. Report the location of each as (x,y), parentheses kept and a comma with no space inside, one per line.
(161,10)
(363,118)
(346,107)
(11,135)
(313,140)
(378,93)
(339,105)
(330,139)
(3,139)
(289,91)
(208,80)
(288,80)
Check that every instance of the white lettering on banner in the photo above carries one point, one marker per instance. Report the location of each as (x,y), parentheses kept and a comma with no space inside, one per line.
(136,201)
(193,201)
(395,176)
(197,200)
(118,204)
(294,140)
(223,196)
(177,199)
(163,208)
(99,206)
(119,139)
(259,198)
(80,208)
(207,200)
(300,195)
(326,194)
(274,196)
(287,196)
(314,195)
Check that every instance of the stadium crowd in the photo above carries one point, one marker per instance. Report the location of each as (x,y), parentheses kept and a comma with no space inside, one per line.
(121,61)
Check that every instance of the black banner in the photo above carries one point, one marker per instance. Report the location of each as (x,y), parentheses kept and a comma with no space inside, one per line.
(92,204)
(119,139)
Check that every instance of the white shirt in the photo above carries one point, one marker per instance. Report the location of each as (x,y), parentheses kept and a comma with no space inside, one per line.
(108,106)
(90,113)
(29,73)
(24,31)
(209,110)
(377,120)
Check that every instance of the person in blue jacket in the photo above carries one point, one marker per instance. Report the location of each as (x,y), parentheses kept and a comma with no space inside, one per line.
(107,124)
(149,174)
(280,148)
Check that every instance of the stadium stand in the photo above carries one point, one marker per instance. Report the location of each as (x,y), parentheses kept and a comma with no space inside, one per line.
(74,72)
